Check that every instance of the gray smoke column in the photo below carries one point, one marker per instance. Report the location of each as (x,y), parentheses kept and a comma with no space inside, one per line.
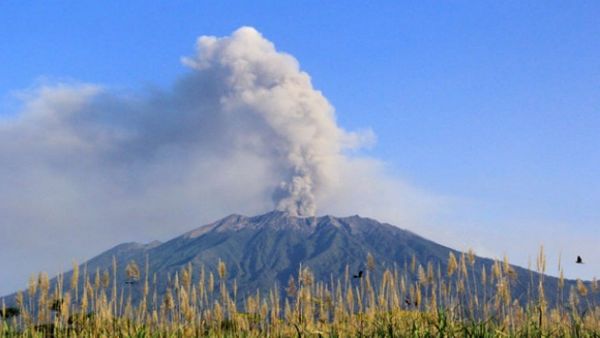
(297,123)
(241,131)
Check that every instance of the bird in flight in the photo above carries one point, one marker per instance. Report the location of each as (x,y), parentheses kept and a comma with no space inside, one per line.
(360,274)
(579,260)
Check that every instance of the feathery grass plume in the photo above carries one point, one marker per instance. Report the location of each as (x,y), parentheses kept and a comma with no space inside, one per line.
(350,300)
(433,305)
(75,280)
(132,271)
(359,299)
(452,264)
(430,273)
(581,288)
(403,285)
(186,277)
(291,288)
(97,279)
(561,287)
(471,256)
(339,312)
(235,289)
(418,296)
(559,261)
(483,276)
(20,301)
(463,265)
(105,279)
(541,261)
(201,287)
(222,269)
(288,314)
(307,277)
(484,286)
(86,292)
(264,310)
(496,271)
(114,300)
(168,302)
(43,295)
(421,275)
(444,292)
(211,282)
(505,264)
(370,262)
(65,307)
(32,285)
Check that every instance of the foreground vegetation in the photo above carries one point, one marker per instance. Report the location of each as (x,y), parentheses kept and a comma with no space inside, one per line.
(456,302)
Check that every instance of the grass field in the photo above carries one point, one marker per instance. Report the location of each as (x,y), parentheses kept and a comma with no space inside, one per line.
(457,302)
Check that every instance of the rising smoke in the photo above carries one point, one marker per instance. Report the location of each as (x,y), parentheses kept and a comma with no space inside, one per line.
(242,131)
(296,124)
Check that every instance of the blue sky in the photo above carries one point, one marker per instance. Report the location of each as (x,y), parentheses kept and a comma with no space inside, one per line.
(495,105)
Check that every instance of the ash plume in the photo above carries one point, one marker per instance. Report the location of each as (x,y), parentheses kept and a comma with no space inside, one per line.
(297,124)
(242,131)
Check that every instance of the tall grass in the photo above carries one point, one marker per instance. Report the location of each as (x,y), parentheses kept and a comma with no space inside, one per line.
(461,301)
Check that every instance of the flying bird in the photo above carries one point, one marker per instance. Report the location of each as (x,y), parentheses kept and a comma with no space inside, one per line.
(579,260)
(360,274)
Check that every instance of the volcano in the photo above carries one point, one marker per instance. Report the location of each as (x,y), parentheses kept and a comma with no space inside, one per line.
(262,252)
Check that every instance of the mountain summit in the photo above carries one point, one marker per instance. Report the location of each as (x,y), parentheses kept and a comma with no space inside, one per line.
(266,249)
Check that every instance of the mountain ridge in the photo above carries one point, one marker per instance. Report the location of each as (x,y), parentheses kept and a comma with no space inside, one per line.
(265,250)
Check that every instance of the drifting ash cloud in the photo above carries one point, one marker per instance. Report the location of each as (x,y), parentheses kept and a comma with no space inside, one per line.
(284,118)
(83,167)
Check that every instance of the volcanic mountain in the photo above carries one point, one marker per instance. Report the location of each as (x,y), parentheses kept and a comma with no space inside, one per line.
(263,251)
